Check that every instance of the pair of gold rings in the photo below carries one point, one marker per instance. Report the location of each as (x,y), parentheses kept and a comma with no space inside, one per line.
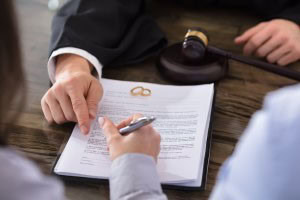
(140,91)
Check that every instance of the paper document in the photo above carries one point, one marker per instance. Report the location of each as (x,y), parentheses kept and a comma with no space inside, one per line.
(182,118)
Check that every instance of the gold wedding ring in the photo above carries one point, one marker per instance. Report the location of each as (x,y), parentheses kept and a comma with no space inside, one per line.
(140,91)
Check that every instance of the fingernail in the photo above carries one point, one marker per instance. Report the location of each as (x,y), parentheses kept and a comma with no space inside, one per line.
(92,113)
(101,121)
(84,129)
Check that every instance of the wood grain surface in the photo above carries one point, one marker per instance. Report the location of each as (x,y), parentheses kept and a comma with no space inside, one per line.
(239,95)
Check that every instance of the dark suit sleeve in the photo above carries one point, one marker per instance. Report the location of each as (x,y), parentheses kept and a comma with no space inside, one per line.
(115,31)
(291,11)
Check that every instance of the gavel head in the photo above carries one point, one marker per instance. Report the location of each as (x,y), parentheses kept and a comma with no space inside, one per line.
(194,46)
(191,61)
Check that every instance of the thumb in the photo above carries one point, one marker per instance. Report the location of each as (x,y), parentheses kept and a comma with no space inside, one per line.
(108,127)
(94,95)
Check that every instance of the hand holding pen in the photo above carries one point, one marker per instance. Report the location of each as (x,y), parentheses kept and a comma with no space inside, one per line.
(143,139)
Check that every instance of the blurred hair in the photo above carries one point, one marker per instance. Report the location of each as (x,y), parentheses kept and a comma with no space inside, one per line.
(12,84)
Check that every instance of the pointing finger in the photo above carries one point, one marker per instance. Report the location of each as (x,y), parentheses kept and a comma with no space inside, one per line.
(81,111)
(93,97)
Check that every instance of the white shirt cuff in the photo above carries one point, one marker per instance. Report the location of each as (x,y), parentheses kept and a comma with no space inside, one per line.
(71,50)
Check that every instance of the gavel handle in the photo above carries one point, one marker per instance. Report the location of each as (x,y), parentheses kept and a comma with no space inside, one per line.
(292,74)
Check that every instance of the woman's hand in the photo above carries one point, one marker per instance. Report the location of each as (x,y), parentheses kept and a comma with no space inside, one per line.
(277,40)
(145,140)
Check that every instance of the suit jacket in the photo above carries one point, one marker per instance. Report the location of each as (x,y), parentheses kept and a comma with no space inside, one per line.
(267,9)
(114,31)
(120,32)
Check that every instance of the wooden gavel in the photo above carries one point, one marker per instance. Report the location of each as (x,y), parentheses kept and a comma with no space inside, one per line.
(193,61)
(195,47)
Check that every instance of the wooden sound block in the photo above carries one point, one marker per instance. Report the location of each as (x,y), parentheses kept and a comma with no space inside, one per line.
(172,65)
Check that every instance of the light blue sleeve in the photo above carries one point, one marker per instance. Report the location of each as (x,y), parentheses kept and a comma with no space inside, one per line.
(134,177)
(266,162)
(21,179)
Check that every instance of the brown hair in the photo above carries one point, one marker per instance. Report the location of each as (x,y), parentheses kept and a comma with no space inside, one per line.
(11,72)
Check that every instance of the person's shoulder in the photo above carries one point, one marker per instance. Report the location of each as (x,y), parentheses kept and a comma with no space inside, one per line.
(283,105)
(20,177)
(13,162)
(284,98)
(14,171)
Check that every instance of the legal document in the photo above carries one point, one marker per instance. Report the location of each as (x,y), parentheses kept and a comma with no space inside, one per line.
(182,118)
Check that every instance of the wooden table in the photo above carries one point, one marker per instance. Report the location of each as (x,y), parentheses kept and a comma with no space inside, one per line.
(238,96)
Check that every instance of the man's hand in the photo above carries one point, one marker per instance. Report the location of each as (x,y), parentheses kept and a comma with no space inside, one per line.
(75,94)
(144,140)
(277,40)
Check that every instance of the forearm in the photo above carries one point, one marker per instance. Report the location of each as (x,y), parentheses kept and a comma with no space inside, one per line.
(134,176)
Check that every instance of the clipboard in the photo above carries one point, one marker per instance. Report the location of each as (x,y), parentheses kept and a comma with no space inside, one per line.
(164,186)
